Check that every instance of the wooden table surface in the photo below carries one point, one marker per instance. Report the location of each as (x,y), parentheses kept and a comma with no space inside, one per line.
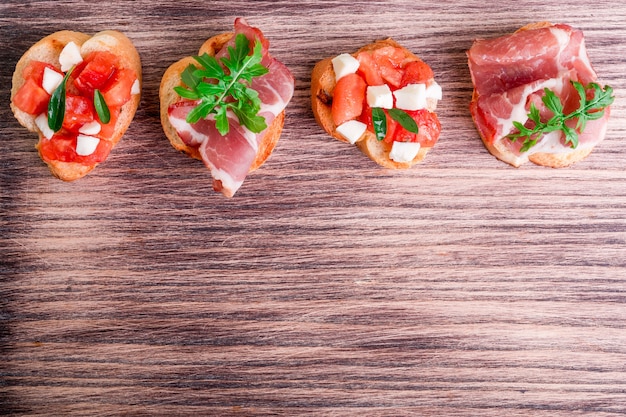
(327,285)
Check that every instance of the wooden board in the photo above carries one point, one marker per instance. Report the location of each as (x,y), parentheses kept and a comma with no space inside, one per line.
(327,286)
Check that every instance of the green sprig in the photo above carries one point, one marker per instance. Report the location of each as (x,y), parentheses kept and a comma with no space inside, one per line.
(588,109)
(219,87)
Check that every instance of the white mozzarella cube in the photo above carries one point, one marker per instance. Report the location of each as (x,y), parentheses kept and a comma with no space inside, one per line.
(70,56)
(344,64)
(380,96)
(136,88)
(51,80)
(404,151)
(91,128)
(352,130)
(42,123)
(411,97)
(434,91)
(86,145)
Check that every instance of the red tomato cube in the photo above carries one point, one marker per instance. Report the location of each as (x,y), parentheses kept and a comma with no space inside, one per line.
(348,98)
(99,67)
(117,90)
(32,98)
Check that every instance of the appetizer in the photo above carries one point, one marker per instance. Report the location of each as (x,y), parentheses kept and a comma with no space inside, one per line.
(536,96)
(79,93)
(381,98)
(226,106)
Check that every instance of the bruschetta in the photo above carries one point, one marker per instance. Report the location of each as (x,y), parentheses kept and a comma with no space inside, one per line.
(79,93)
(226,106)
(381,98)
(536,96)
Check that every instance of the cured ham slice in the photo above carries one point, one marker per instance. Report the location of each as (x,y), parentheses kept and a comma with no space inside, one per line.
(230,157)
(511,72)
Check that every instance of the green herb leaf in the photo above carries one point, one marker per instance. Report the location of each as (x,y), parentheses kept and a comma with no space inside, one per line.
(588,109)
(379,120)
(56,106)
(404,119)
(226,86)
(101,107)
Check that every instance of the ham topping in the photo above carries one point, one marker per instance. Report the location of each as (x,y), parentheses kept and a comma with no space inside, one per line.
(509,73)
(230,157)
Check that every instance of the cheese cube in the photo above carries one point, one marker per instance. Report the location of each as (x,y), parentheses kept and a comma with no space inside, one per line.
(51,80)
(411,97)
(434,91)
(42,123)
(70,56)
(352,130)
(91,128)
(86,145)
(404,151)
(136,88)
(344,64)
(380,96)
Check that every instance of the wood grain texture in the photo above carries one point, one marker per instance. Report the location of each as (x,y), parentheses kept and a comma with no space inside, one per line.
(327,286)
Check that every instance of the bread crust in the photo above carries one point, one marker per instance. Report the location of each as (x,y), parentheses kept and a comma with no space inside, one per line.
(48,50)
(167,96)
(551,160)
(322,90)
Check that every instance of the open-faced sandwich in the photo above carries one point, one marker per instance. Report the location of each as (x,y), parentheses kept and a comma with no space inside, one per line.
(79,93)
(226,106)
(536,96)
(381,98)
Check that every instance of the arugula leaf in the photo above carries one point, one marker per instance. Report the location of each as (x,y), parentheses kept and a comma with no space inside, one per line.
(101,107)
(588,109)
(56,106)
(224,85)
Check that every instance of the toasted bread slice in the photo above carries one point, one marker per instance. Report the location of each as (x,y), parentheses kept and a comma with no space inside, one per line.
(48,50)
(322,90)
(167,96)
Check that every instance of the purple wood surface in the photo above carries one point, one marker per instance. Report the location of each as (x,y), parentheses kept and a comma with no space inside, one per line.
(327,285)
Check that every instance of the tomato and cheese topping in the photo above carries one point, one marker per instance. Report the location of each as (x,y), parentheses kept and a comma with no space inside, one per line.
(401,87)
(94,88)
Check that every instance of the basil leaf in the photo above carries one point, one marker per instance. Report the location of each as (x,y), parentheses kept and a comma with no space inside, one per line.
(404,119)
(56,106)
(101,107)
(379,120)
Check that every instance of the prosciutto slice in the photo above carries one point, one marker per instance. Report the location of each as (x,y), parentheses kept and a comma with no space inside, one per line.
(509,73)
(230,157)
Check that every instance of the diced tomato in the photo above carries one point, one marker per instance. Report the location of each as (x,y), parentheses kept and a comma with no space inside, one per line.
(368,69)
(71,81)
(31,98)
(117,91)
(393,128)
(391,75)
(34,70)
(78,111)
(429,127)
(348,98)
(99,67)
(108,129)
(400,134)
(395,56)
(62,147)
(416,72)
